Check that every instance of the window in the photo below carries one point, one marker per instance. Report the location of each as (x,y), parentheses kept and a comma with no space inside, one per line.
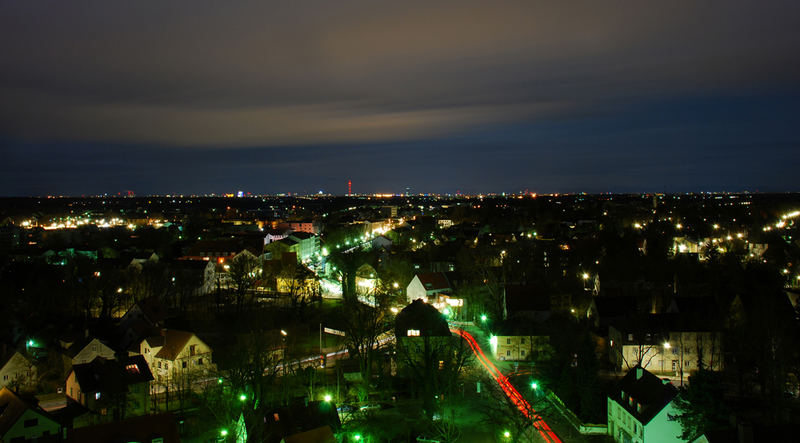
(523,340)
(639,408)
(522,352)
(674,350)
(192,349)
(622,395)
(183,365)
(159,365)
(31,422)
(441,364)
(132,368)
(97,396)
(413,332)
(630,337)
(674,364)
(630,401)
(200,361)
(508,341)
(5,377)
(508,353)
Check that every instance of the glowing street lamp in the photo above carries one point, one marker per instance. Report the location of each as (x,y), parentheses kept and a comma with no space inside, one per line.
(223,432)
(506,434)
(667,345)
(534,385)
(242,397)
(585,276)
(327,398)
(484,318)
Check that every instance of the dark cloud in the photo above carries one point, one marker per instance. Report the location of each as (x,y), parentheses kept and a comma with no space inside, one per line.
(202,96)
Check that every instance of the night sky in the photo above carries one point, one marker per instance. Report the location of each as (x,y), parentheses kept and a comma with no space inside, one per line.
(299,96)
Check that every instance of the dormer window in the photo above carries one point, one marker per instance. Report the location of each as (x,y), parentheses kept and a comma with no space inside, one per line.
(132,368)
(639,408)
(622,395)
(630,401)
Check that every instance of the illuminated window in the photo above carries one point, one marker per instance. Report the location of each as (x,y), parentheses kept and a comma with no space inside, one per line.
(413,332)
(132,368)
(441,364)
(97,396)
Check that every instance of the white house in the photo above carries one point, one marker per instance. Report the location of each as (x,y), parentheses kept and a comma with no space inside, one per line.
(427,286)
(639,409)
(173,355)
(17,371)
(89,349)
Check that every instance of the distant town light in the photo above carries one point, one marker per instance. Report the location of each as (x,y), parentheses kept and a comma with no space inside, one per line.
(284,333)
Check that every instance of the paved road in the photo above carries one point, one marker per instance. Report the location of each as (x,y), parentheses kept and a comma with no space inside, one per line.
(524,407)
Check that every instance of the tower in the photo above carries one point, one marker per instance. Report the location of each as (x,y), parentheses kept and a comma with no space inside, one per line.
(349,187)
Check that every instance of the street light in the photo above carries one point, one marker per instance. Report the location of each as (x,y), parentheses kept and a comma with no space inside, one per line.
(507,434)
(534,385)
(327,398)
(242,397)
(484,318)
(585,276)
(667,345)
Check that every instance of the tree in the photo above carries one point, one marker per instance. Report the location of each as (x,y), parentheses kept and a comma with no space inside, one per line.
(243,272)
(701,405)
(515,415)
(363,325)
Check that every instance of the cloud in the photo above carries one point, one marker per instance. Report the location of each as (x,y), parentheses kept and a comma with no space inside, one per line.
(205,73)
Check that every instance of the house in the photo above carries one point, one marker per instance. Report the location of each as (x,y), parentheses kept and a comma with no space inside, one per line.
(639,409)
(381,242)
(526,302)
(17,372)
(520,341)
(307,422)
(119,386)
(196,276)
(434,288)
(143,319)
(673,344)
(21,421)
(176,356)
(160,428)
(88,349)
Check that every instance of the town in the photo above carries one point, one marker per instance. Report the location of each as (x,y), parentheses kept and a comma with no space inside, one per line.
(400,317)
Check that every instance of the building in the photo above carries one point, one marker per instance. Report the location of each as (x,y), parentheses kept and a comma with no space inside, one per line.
(668,344)
(112,388)
(639,409)
(88,349)
(176,357)
(17,372)
(433,288)
(520,341)
(20,421)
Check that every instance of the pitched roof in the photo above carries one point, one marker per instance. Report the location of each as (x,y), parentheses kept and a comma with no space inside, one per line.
(526,298)
(110,375)
(422,317)
(646,389)
(11,409)
(171,341)
(144,428)
(434,281)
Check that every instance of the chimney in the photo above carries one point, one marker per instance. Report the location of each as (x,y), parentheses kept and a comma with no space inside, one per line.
(639,373)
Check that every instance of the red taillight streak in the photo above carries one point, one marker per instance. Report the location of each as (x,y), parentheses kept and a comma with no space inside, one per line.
(511,392)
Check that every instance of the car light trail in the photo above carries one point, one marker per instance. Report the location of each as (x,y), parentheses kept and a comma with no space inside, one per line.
(511,392)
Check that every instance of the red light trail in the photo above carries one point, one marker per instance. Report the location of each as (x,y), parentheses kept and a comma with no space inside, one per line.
(511,392)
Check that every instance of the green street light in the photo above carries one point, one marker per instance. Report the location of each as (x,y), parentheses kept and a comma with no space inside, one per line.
(534,385)
(357,437)
(327,398)
(242,397)
(219,380)
(507,434)
(484,317)
(223,432)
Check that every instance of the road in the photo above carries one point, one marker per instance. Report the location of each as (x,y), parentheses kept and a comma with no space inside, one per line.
(524,407)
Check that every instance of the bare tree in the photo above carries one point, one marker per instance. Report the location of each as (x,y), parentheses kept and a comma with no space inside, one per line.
(243,270)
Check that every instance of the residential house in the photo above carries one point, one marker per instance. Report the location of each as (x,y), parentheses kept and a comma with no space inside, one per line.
(433,288)
(115,388)
(195,276)
(307,422)
(520,341)
(17,372)
(671,344)
(143,319)
(639,409)
(176,357)
(21,421)
(88,349)
(160,428)
(526,302)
